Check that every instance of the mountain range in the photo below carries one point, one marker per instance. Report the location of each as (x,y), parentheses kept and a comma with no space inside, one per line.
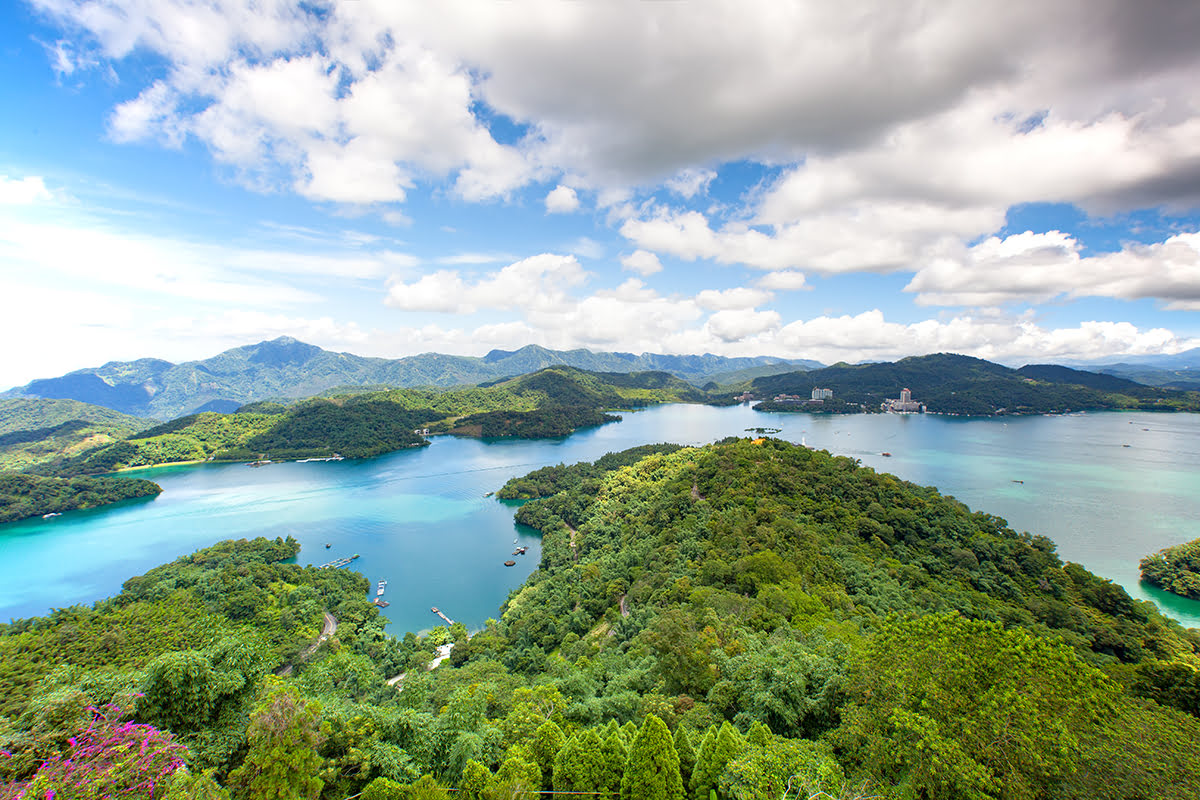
(286,369)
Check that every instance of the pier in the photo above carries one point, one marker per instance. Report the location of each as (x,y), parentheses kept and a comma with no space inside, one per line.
(338,563)
(443,616)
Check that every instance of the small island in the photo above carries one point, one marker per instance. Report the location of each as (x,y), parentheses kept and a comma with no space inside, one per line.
(1175,569)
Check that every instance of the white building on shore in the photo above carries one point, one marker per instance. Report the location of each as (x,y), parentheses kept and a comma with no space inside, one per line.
(905,405)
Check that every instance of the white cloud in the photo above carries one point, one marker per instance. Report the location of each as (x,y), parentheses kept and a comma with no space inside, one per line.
(536,282)
(738,298)
(473,258)
(562,200)
(784,280)
(690,182)
(1010,340)
(778,82)
(1035,267)
(587,248)
(23,191)
(736,324)
(642,262)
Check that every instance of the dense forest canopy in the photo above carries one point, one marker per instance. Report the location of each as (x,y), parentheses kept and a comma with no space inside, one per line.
(706,622)
(1176,569)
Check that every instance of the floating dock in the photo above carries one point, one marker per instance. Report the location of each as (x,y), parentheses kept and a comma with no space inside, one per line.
(339,563)
(443,616)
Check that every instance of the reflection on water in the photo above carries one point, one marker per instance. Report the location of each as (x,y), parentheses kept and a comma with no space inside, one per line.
(420,518)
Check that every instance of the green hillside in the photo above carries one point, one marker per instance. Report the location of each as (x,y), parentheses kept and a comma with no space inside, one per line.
(719,622)
(552,402)
(24,496)
(33,431)
(954,384)
(1176,569)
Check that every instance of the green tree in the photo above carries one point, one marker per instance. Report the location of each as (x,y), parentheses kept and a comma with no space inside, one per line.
(765,771)
(725,746)
(652,772)
(186,785)
(687,756)
(516,777)
(580,766)
(615,754)
(283,762)
(384,789)
(475,778)
(957,708)
(547,741)
(179,690)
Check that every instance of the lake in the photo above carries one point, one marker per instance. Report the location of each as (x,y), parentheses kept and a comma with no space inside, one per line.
(420,518)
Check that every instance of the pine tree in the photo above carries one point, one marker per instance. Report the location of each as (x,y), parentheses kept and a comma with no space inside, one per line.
(759,734)
(697,786)
(652,772)
(615,755)
(687,756)
(580,764)
(516,777)
(547,741)
(629,732)
(727,745)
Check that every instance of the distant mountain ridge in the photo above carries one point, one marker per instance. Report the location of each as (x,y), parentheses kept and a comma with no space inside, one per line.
(956,384)
(287,368)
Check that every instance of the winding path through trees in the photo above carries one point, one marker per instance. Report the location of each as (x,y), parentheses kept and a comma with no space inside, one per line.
(327,629)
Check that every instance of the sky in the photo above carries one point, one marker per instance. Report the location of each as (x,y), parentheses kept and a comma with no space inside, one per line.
(1014,180)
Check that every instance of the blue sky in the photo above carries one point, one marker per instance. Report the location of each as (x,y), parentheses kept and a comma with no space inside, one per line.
(1012,180)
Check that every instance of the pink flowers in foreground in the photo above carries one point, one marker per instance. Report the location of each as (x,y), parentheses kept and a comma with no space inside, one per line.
(109,758)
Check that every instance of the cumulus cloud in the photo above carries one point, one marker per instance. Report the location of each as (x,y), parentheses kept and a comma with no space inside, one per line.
(642,262)
(1035,267)
(736,324)
(562,200)
(23,191)
(536,282)
(784,280)
(739,81)
(869,336)
(739,298)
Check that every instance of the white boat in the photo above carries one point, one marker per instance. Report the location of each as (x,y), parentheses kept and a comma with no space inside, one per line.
(379,589)
(52,514)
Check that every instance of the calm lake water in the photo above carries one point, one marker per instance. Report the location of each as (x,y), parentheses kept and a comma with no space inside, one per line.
(420,518)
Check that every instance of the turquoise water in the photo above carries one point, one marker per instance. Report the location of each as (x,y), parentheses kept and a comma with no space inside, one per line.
(419,518)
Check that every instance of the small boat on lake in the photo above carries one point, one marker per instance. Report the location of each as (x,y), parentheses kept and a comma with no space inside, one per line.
(510,563)
(52,514)
(889,455)
(1017,481)
(520,551)
(379,589)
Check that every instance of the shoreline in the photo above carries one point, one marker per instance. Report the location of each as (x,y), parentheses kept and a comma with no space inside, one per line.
(166,464)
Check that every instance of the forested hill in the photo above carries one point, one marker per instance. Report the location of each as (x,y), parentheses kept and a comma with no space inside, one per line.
(33,431)
(289,369)
(552,402)
(954,384)
(719,622)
